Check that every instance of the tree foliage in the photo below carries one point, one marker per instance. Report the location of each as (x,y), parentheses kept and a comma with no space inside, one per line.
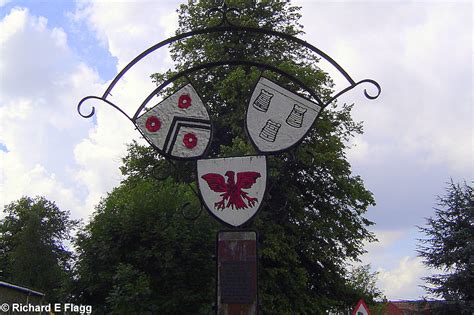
(139,255)
(312,222)
(32,249)
(364,283)
(450,246)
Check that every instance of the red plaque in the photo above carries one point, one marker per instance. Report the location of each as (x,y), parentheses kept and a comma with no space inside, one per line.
(237,273)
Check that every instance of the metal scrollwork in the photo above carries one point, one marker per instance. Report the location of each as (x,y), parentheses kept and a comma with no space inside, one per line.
(185,208)
(223,10)
(353,85)
(158,174)
(92,111)
(377,86)
(188,216)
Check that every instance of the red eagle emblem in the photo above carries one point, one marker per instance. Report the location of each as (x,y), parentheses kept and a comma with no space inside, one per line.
(232,191)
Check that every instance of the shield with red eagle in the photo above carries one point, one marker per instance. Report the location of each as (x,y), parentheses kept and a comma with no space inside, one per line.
(233,188)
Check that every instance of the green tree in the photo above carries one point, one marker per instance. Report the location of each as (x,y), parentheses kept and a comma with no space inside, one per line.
(32,248)
(312,222)
(139,255)
(450,246)
(364,283)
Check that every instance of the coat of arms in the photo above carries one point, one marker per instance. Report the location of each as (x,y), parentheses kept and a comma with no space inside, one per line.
(277,118)
(233,188)
(178,127)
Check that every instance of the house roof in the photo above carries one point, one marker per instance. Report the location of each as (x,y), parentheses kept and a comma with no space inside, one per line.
(19,288)
(413,307)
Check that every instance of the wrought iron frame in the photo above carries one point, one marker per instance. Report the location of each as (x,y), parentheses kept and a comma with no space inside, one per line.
(226,25)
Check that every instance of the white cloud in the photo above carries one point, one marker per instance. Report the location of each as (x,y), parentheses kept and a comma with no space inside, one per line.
(51,150)
(359,149)
(381,253)
(421,54)
(35,70)
(385,239)
(169,23)
(403,282)
(126,29)
(399,273)
(33,181)
(38,122)
(99,155)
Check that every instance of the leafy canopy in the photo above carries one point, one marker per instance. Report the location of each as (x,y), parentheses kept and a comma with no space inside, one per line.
(139,255)
(364,282)
(32,248)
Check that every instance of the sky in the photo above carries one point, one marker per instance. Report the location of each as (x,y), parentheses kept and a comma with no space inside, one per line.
(418,135)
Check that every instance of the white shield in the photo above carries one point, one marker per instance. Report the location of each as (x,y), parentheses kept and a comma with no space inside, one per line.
(179,126)
(278,118)
(233,188)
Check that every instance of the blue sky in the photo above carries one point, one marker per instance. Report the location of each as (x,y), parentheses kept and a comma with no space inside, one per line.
(418,133)
(83,43)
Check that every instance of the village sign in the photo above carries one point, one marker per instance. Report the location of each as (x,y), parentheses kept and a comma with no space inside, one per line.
(180,126)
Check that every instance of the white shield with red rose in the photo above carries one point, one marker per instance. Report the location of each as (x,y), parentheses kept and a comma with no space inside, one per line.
(179,126)
(233,189)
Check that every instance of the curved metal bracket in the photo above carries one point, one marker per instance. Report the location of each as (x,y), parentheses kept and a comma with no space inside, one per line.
(369,96)
(184,206)
(225,26)
(222,63)
(156,175)
(92,112)
(190,217)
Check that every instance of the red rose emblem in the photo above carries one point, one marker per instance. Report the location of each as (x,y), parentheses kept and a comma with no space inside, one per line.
(190,140)
(184,101)
(153,124)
